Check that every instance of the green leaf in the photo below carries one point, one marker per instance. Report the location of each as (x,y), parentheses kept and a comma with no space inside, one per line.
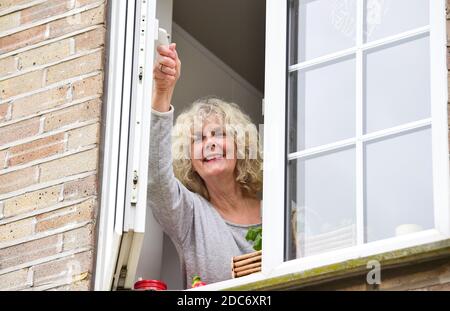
(257,245)
(251,234)
(255,235)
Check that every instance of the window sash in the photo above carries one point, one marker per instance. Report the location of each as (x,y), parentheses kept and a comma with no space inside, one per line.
(126,146)
(274,203)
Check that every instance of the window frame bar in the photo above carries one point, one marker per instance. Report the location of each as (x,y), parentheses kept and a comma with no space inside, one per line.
(437,121)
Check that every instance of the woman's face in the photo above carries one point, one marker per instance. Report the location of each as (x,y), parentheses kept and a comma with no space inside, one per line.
(213,153)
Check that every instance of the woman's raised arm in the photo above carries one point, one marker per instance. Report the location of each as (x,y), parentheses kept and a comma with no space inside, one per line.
(171,202)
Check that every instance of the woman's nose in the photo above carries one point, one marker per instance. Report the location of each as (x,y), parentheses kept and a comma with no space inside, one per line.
(211,143)
(211,146)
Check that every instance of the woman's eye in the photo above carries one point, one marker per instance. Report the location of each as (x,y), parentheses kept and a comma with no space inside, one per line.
(218,134)
(197,138)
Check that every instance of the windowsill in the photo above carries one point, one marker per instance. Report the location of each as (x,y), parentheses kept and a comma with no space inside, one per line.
(345,269)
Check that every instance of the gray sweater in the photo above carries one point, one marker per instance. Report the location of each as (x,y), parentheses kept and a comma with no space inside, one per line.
(204,240)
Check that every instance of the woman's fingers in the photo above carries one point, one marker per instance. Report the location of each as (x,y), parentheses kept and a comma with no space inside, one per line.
(165,50)
(166,61)
(167,68)
(163,71)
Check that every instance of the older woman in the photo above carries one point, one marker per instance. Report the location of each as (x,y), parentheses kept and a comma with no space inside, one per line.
(205,198)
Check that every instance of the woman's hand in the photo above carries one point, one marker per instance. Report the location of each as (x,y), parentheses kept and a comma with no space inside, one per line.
(166,73)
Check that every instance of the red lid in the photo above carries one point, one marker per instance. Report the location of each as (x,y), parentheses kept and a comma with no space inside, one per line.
(150,285)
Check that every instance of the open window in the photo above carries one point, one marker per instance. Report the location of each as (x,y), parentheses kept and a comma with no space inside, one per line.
(123,214)
(356,158)
(131,243)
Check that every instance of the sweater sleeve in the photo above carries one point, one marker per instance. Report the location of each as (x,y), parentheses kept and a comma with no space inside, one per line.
(170,201)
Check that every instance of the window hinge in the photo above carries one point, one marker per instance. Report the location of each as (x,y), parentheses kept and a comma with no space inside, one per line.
(134,187)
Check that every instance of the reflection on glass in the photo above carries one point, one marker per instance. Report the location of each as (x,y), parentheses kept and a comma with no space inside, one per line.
(320,27)
(322,104)
(322,203)
(397,82)
(384,18)
(399,189)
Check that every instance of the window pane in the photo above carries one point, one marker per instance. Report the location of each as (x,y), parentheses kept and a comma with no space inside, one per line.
(397,84)
(399,193)
(385,18)
(320,27)
(322,104)
(322,202)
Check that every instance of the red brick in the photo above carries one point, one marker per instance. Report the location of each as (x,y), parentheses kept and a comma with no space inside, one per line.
(18,179)
(44,10)
(3,154)
(70,165)
(22,39)
(31,201)
(79,113)
(6,4)
(37,149)
(3,112)
(7,66)
(64,270)
(40,101)
(80,188)
(19,130)
(78,21)
(81,237)
(84,211)
(88,87)
(90,40)
(29,251)
(21,84)
(15,280)
(75,67)
(17,230)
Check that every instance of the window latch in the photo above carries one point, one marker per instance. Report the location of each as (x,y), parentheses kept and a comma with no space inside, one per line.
(134,187)
(141,73)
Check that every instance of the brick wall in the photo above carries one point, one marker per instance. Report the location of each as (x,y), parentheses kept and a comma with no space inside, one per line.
(51,84)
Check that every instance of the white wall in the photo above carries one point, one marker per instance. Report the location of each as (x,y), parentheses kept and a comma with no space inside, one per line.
(202,73)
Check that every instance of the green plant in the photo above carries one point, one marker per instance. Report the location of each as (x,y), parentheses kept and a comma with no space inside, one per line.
(254,235)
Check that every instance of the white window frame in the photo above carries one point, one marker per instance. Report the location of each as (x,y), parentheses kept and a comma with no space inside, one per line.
(127,113)
(275,156)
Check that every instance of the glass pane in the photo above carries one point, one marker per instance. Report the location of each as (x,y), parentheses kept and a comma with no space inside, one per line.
(322,201)
(322,104)
(397,84)
(399,193)
(320,27)
(385,18)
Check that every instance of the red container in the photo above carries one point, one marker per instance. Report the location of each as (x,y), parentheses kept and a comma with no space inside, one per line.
(150,285)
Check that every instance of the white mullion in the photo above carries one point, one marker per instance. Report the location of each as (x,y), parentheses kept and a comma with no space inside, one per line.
(397,129)
(321,149)
(364,138)
(364,46)
(274,142)
(359,123)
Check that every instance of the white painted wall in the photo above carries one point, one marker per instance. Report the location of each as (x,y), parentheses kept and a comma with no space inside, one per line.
(202,73)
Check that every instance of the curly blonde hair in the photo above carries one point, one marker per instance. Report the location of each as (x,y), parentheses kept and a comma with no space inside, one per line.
(248,169)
